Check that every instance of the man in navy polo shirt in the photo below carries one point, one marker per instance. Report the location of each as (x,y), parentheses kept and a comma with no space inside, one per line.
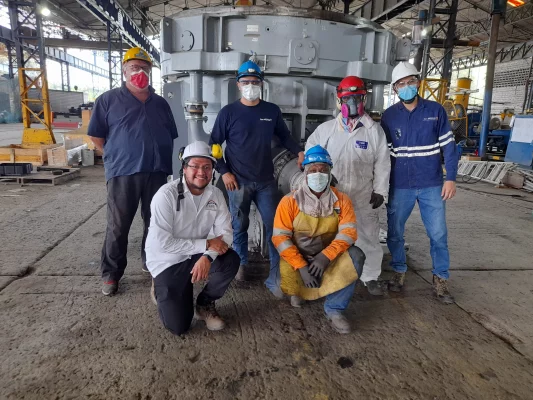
(135,130)
(418,132)
(248,127)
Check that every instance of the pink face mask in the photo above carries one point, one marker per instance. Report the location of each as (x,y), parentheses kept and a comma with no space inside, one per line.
(353,109)
(140,79)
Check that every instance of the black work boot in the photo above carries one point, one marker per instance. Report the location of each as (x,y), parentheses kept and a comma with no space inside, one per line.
(374,288)
(396,283)
(440,288)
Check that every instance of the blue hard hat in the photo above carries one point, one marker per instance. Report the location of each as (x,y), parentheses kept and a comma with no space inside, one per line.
(317,154)
(249,68)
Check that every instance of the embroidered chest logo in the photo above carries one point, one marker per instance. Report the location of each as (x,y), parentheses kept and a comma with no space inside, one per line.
(398,133)
(360,144)
(265,119)
(426,119)
(211,205)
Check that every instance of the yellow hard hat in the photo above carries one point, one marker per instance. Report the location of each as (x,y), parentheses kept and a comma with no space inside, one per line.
(136,53)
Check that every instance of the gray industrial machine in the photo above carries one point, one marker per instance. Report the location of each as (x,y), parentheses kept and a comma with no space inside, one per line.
(303,53)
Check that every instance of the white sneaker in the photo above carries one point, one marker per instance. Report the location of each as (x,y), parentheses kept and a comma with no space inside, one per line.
(339,323)
(297,301)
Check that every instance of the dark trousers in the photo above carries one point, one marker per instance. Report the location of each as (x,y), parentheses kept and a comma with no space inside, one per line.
(174,289)
(123,196)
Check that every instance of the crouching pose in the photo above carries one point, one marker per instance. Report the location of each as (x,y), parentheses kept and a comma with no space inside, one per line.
(314,233)
(178,251)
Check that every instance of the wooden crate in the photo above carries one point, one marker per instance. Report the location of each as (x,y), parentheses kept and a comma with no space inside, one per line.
(57,157)
(37,155)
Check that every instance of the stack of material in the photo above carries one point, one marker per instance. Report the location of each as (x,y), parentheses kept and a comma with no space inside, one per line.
(528,179)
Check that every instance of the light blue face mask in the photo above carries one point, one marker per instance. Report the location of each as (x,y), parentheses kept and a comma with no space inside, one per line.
(318,182)
(408,93)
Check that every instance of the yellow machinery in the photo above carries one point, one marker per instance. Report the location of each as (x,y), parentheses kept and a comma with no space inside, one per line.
(436,90)
(35,78)
(433,89)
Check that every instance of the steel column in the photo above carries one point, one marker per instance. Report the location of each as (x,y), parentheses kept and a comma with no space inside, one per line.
(489,83)
(449,43)
(114,55)
(427,42)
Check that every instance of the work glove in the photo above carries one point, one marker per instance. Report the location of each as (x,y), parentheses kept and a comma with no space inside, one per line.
(318,265)
(309,280)
(376,200)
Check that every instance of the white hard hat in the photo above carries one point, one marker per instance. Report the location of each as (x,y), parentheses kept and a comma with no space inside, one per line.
(198,149)
(402,70)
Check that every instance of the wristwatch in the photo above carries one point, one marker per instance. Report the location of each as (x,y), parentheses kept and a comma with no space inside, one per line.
(211,259)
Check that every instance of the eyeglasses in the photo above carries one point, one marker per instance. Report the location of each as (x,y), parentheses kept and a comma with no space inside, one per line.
(137,68)
(410,82)
(205,168)
(246,83)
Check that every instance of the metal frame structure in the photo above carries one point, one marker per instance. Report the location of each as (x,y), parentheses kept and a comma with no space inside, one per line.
(52,53)
(432,64)
(512,16)
(24,15)
(110,12)
(114,55)
(505,54)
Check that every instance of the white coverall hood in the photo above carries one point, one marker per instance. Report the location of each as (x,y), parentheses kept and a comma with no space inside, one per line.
(362,165)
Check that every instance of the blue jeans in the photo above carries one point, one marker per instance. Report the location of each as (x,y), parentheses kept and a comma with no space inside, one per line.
(338,301)
(266,197)
(433,212)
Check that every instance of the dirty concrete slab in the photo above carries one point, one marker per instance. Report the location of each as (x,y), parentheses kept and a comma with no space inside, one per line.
(483,231)
(80,344)
(6,280)
(79,253)
(41,217)
(501,301)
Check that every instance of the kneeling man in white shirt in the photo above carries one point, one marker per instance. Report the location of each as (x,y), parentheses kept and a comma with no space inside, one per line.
(185,213)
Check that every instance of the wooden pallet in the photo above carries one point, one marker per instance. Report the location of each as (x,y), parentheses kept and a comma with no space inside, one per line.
(43,176)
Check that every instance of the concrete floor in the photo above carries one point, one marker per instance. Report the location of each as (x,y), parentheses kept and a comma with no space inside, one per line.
(61,339)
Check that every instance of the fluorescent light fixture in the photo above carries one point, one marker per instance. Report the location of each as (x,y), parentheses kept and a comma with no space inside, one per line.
(45,11)
(416,33)
(515,3)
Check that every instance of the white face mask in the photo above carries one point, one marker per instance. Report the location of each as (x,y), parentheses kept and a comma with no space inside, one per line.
(251,92)
(318,182)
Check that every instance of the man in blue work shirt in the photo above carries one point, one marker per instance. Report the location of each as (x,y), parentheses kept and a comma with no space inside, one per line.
(418,132)
(248,127)
(135,130)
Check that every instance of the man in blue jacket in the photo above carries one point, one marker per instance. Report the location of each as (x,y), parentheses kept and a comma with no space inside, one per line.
(418,132)
(248,127)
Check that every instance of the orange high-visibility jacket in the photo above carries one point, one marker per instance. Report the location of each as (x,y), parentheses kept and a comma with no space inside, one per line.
(283,229)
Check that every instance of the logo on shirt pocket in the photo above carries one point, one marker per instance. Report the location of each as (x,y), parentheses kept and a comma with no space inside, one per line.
(360,144)
(265,119)
(211,205)
(426,119)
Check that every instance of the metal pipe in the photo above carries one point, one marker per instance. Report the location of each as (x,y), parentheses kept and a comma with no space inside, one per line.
(378,97)
(527,89)
(195,109)
(489,84)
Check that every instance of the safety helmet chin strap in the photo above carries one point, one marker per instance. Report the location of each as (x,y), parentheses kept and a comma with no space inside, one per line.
(181,189)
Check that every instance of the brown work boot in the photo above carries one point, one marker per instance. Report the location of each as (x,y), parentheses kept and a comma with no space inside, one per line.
(297,302)
(396,283)
(209,314)
(241,274)
(339,323)
(440,288)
